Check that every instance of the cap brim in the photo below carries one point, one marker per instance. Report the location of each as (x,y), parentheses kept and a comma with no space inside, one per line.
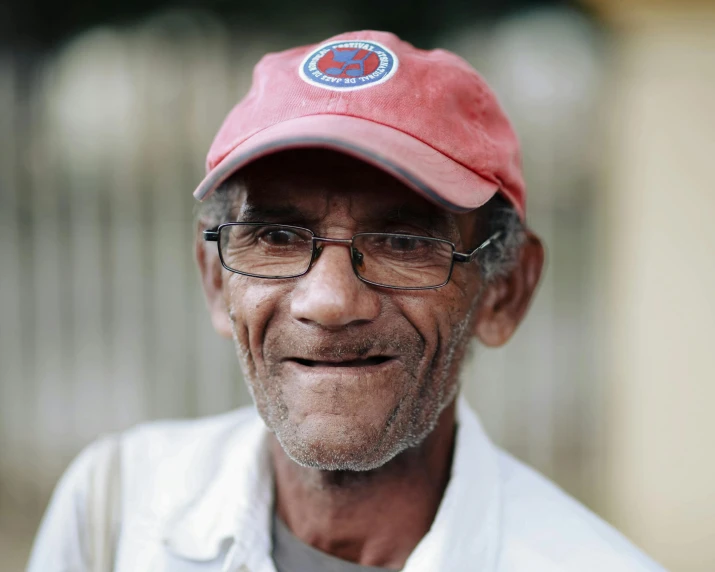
(421,167)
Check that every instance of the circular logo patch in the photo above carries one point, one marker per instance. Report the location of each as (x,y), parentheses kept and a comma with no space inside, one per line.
(344,66)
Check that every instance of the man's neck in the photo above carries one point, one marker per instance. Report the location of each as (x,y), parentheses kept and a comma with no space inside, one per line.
(373,518)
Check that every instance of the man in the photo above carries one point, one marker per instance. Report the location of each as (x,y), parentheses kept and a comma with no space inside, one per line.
(363,219)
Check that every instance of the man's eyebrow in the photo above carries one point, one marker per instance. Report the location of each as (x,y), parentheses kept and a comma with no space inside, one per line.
(259,213)
(434,219)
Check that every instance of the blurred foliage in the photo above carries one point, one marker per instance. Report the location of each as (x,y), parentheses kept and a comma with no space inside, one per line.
(40,24)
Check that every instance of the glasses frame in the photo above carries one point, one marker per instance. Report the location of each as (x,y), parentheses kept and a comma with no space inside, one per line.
(213,235)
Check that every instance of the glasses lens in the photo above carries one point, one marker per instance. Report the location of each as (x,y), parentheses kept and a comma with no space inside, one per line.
(266,251)
(402,260)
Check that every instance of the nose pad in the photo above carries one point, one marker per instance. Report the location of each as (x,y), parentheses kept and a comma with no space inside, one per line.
(358,257)
(317,251)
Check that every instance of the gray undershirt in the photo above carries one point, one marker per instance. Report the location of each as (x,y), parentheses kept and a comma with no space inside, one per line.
(291,554)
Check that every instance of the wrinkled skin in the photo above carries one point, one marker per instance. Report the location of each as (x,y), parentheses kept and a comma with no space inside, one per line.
(348,376)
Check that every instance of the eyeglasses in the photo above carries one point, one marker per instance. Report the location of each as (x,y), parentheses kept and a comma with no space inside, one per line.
(278,251)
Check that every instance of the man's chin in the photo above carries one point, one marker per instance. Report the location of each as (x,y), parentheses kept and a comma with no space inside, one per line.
(329,459)
(330,447)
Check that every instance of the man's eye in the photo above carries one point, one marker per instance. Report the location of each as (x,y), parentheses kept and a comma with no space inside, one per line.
(404,244)
(281,237)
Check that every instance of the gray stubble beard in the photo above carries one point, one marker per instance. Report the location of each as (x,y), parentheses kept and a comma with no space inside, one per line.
(415,427)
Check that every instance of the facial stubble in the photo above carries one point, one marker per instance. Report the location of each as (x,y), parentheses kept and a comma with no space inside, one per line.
(430,384)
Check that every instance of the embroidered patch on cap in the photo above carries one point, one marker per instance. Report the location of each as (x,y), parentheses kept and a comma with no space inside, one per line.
(348,65)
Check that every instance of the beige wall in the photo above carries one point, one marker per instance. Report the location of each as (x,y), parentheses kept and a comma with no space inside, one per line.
(658,257)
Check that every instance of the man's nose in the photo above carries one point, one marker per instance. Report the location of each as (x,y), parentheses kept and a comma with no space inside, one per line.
(330,295)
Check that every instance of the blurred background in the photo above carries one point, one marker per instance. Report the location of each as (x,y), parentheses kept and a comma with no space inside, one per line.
(107,110)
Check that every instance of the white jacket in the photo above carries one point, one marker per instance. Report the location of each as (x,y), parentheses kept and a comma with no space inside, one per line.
(198,495)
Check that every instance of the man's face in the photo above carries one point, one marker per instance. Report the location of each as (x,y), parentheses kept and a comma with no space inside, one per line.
(346,375)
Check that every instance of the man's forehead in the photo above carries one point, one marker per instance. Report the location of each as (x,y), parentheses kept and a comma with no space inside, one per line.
(316,206)
(318,182)
(322,199)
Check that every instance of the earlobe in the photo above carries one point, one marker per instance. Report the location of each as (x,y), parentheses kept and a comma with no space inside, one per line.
(212,281)
(221,320)
(493,325)
(504,302)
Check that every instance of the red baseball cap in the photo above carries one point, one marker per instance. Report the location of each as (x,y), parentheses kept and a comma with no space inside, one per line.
(426,117)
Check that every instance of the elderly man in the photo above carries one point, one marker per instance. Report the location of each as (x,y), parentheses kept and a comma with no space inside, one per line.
(362,219)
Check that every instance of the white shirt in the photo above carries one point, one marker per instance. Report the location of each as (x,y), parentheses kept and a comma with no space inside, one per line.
(198,496)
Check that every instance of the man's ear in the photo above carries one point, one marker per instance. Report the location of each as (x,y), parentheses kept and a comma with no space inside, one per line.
(212,280)
(505,300)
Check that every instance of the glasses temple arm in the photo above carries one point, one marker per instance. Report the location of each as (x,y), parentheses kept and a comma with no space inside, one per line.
(470,256)
(211,235)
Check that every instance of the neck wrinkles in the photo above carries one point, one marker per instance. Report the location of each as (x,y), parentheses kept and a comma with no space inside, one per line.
(356,515)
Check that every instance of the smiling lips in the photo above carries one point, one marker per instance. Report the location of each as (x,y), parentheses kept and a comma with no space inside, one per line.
(351,363)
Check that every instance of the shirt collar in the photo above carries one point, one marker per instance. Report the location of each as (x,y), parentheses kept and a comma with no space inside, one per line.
(465,533)
(237,505)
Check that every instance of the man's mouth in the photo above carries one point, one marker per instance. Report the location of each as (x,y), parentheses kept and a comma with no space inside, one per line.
(353,363)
